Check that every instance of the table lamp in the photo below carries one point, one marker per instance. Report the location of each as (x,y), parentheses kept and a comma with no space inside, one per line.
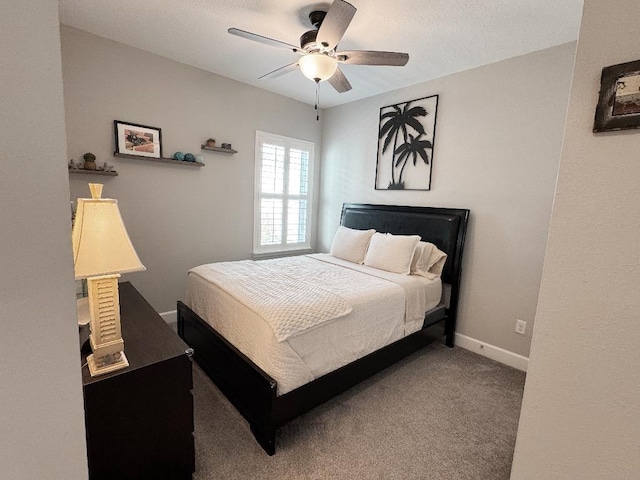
(102,251)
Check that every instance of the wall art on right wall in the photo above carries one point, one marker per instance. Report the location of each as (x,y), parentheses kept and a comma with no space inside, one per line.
(619,103)
(406,136)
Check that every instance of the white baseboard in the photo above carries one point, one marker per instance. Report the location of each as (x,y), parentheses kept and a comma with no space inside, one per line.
(494,353)
(170,317)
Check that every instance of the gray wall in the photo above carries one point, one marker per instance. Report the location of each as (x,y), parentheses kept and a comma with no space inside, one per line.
(41,412)
(177,216)
(497,147)
(580,411)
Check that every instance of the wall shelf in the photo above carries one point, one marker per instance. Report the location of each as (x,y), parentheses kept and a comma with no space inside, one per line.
(163,160)
(228,151)
(112,173)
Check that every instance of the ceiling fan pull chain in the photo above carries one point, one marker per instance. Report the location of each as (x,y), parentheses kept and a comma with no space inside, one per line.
(317,101)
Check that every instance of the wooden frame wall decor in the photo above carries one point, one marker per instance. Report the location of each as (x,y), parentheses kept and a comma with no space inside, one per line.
(406,138)
(137,140)
(619,103)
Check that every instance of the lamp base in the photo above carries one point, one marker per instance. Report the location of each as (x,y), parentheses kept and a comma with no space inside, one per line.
(107,363)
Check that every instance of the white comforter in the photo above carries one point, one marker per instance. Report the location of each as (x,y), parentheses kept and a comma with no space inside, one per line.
(384,308)
(285,292)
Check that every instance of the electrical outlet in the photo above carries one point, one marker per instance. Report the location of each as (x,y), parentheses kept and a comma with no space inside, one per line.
(521,327)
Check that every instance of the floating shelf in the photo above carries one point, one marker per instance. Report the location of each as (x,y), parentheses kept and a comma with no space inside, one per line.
(112,173)
(228,151)
(163,160)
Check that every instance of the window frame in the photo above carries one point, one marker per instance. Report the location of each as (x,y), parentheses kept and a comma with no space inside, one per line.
(288,143)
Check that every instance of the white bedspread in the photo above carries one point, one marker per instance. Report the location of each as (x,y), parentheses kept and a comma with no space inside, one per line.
(284,292)
(385,307)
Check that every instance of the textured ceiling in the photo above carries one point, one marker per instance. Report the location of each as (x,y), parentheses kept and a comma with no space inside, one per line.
(441,36)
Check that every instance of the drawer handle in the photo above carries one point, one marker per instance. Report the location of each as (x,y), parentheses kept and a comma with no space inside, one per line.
(189,352)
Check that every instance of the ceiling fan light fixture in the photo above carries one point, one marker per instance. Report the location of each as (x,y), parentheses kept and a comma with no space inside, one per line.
(318,66)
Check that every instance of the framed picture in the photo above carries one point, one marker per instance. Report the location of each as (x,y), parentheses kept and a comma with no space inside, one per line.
(406,136)
(619,103)
(139,140)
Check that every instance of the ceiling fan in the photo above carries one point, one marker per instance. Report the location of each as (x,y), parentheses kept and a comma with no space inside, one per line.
(319,59)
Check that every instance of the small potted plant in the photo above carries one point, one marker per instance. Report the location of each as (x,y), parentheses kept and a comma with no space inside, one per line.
(211,142)
(89,161)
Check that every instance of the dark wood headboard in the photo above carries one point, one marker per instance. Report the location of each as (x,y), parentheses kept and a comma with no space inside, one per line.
(444,227)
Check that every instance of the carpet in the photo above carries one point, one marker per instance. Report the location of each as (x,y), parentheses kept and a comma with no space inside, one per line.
(438,414)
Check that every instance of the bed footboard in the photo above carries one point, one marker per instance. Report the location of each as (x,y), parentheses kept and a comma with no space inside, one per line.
(253,392)
(249,388)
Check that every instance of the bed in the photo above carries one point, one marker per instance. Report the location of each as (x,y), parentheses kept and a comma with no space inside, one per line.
(267,402)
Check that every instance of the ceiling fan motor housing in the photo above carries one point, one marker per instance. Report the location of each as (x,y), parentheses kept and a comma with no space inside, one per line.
(316,18)
(308,38)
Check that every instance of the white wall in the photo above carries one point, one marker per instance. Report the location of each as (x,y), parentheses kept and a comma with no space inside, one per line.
(580,414)
(41,411)
(177,216)
(497,147)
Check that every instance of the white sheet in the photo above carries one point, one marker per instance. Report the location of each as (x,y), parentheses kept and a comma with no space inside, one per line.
(378,300)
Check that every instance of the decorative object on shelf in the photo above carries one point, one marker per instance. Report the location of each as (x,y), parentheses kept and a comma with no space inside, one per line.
(89,161)
(211,142)
(227,146)
(619,102)
(189,157)
(406,135)
(107,168)
(102,251)
(73,165)
(178,156)
(219,149)
(199,158)
(138,140)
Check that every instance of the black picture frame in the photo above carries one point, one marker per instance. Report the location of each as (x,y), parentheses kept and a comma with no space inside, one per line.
(137,140)
(617,110)
(406,143)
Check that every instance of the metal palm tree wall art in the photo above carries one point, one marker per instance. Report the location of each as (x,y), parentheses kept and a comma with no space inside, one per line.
(405,145)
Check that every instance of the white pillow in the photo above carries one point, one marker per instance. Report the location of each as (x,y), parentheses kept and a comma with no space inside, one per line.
(392,253)
(350,244)
(428,261)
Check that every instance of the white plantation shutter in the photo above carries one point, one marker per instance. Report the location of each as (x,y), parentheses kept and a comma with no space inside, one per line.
(283,194)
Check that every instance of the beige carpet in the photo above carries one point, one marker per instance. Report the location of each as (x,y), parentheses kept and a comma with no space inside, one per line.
(439,414)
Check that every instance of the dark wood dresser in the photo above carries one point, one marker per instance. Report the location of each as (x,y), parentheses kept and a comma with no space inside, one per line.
(139,419)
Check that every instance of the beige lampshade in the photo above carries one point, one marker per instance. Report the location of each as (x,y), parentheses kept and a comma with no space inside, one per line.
(101,245)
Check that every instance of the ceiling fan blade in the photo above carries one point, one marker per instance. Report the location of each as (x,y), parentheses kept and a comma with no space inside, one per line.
(260,39)
(335,23)
(340,82)
(364,57)
(278,72)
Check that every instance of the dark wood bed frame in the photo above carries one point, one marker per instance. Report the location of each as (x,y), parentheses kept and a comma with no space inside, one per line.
(253,392)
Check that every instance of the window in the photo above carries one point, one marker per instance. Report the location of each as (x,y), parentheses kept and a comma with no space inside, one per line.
(284,172)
